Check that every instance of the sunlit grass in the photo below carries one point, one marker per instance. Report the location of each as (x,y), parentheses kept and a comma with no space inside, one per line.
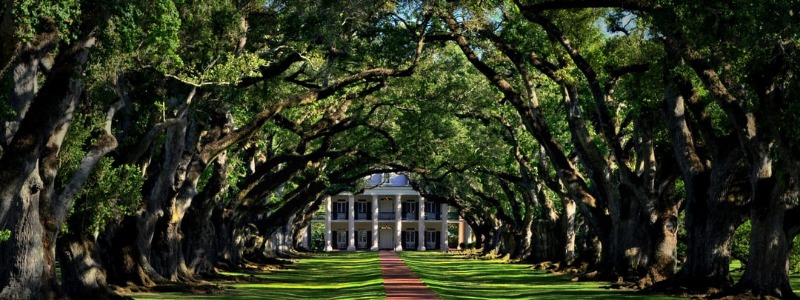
(357,275)
(322,276)
(452,277)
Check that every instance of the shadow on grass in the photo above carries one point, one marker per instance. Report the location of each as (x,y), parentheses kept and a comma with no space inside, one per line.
(322,276)
(452,277)
(348,275)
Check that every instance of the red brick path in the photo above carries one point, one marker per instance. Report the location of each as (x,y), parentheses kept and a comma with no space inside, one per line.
(398,280)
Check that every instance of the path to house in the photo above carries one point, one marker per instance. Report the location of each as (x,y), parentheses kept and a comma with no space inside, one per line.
(398,280)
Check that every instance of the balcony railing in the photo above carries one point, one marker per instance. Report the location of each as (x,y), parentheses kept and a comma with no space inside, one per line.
(386,216)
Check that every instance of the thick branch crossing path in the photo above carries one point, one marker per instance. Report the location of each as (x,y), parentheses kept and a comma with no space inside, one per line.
(398,280)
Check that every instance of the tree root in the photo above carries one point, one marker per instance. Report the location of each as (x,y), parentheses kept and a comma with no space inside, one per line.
(678,288)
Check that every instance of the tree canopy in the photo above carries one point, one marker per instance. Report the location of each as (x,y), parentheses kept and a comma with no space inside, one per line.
(642,141)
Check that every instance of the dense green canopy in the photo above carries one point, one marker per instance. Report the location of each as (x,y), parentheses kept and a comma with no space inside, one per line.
(644,141)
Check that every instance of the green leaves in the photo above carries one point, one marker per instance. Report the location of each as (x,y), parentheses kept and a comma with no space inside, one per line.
(111,192)
(5,235)
(33,17)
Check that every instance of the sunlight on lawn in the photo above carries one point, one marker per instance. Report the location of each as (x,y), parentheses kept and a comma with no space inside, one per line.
(452,277)
(348,275)
(324,276)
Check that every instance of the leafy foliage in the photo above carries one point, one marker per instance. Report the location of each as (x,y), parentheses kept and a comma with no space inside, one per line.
(5,234)
(33,16)
(112,191)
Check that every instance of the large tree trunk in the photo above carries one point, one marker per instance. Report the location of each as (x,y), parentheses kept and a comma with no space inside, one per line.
(227,256)
(23,254)
(29,167)
(663,245)
(168,256)
(200,242)
(524,239)
(83,274)
(590,248)
(711,217)
(19,208)
(161,189)
(767,273)
(122,257)
(647,241)
(710,226)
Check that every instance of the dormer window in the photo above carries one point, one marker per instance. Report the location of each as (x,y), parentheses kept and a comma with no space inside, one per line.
(387,177)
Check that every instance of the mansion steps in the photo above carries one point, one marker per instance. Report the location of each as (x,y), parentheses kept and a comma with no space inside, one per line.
(391,215)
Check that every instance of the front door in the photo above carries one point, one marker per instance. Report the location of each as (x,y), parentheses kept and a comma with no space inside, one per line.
(363,239)
(386,238)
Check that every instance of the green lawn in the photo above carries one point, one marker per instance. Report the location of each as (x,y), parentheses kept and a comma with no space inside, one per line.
(324,276)
(452,277)
(348,275)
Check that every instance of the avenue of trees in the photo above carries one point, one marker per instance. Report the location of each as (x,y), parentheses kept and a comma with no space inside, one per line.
(646,142)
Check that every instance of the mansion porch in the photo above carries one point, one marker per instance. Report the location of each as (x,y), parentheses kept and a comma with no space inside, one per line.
(389,215)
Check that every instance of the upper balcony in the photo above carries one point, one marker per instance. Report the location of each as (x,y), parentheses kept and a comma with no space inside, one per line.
(359,216)
(387,216)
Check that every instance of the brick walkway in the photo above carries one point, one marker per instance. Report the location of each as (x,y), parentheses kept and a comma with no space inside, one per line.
(398,280)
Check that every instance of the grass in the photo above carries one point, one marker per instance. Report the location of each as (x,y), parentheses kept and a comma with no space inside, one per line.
(338,275)
(452,277)
(357,275)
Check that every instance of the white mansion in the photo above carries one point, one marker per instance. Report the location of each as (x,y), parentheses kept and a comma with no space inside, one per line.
(389,214)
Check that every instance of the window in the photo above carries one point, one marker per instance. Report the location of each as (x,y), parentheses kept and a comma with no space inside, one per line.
(410,236)
(341,207)
(431,207)
(430,236)
(412,206)
(361,207)
(362,236)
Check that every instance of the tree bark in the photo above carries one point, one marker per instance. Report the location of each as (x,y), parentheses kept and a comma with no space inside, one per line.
(200,242)
(29,167)
(711,219)
(767,273)
(122,257)
(83,274)
(155,215)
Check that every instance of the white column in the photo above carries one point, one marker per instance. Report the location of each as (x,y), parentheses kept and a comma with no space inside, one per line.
(421,225)
(467,233)
(398,227)
(351,223)
(460,235)
(443,241)
(307,237)
(375,213)
(328,233)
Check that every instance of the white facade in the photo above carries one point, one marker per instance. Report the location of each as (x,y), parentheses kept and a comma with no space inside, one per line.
(388,215)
